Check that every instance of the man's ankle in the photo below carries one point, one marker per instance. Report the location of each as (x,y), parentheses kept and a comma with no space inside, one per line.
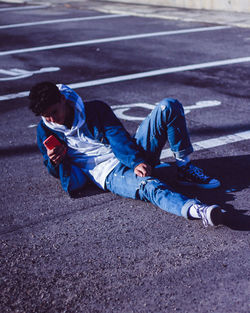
(182,161)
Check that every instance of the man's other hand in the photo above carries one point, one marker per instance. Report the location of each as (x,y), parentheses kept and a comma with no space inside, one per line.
(56,155)
(143,170)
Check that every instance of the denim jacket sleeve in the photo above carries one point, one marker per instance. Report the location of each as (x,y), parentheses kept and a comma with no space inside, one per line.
(64,170)
(122,144)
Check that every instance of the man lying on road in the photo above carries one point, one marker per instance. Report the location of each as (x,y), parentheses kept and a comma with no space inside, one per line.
(95,146)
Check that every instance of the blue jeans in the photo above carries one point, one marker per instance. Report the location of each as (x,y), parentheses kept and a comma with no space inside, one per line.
(165,122)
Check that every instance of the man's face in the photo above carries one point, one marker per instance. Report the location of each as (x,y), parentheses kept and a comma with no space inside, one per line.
(56,113)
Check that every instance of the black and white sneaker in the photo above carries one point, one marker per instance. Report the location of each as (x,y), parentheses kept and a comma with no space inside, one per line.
(211,215)
(193,176)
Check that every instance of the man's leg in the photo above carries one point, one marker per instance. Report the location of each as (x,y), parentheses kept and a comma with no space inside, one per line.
(167,123)
(124,182)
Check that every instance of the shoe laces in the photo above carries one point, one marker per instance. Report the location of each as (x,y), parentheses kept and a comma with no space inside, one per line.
(202,213)
(196,171)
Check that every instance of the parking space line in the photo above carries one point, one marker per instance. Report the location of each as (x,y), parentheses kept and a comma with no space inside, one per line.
(77,19)
(122,78)
(31,7)
(112,39)
(213,142)
(159,72)
(22,94)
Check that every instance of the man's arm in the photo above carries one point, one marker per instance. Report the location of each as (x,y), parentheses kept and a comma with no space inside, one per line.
(122,144)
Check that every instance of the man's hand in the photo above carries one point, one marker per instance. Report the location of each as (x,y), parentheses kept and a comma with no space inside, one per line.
(143,170)
(56,155)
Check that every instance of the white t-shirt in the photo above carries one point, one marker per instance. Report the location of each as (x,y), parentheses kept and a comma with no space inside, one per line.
(93,157)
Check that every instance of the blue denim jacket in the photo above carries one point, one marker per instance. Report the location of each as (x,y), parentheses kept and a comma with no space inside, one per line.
(101,124)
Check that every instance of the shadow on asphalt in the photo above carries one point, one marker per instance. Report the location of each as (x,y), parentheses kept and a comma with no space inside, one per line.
(18,150)
(233,172)
(89,190)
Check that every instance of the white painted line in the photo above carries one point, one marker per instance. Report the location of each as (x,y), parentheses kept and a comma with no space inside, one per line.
(31,7)
(121,110)
(14,96)
(213,142)
(139,75)
(17,73)
(77,19)
(111,39)
(158,72)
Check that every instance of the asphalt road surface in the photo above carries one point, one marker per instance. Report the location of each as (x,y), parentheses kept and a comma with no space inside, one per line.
(100,252)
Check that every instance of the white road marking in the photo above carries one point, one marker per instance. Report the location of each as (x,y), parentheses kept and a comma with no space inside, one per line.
(77,19)
(14,96)
(213,142)
(159,72)
(31,7)
(120,110)
(139,75)
(16,73)
(111,39)
(201,105)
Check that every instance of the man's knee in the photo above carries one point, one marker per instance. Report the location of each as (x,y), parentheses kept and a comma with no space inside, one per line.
(172,106)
